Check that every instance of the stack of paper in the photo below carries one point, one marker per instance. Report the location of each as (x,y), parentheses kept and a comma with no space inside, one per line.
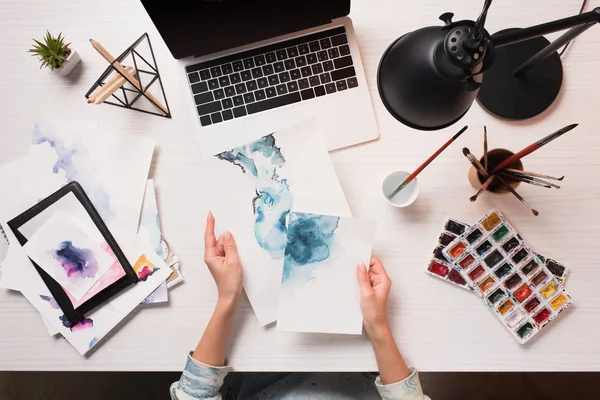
(255,189)
(113,170)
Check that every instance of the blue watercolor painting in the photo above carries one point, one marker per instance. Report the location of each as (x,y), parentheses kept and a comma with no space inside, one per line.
(74,162)
(309,242)
(77,263)
(93,342)
(261,161)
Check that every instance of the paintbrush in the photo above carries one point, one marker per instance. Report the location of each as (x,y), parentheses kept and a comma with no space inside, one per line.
(475,162)
(485,148)
(482,188)
(532,147)
(426,163)
(530,178)
(525,180)
(535,174)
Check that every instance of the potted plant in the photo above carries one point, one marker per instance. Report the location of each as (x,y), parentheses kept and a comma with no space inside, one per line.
(55,54)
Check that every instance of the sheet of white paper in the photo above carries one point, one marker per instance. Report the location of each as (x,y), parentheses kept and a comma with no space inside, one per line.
(149,230)
(68,254)
(319,291)
(111,167)
(251,190)
(49,327)
(3,244)
(172,260)
(151,271)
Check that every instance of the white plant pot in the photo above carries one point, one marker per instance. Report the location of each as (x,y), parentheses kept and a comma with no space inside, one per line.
(69,64)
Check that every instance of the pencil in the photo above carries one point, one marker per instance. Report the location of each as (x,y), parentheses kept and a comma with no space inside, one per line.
(110,87)
(485,148)
(533,147)
(426,163)
(535,174)
(117,65)
(475,162)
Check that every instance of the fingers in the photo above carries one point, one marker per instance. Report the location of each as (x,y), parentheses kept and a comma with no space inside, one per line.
(219,247)
(364,282)
(229,246)
(210,241)
(377,267)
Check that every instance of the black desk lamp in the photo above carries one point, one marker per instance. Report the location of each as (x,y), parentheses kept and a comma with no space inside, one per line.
(429,78)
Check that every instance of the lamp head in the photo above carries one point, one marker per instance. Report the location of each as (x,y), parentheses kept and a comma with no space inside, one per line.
(426,78)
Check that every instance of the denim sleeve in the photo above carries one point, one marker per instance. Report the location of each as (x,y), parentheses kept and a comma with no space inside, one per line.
(408,389)
(199,381)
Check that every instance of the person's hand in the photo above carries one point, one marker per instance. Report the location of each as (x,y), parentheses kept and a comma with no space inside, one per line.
(375,287)
(222,259)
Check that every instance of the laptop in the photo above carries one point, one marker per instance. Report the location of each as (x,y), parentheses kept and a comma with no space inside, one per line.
(252,67)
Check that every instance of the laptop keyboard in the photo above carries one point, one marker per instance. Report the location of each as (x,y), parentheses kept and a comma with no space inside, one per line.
(272,76)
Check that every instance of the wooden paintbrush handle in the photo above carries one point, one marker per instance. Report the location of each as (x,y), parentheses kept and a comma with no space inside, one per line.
(516,157)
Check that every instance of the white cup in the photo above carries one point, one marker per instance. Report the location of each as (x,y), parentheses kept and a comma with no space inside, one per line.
(404,197)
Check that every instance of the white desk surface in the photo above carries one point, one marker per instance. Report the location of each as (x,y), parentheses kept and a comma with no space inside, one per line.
(438,327)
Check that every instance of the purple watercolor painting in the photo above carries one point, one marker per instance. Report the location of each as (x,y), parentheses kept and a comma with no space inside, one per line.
(68,254)
(77,263)
(73,161)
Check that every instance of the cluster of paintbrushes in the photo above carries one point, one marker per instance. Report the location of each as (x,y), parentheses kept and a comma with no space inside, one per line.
(502,170)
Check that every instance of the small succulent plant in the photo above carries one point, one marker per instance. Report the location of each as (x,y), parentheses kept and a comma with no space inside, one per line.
(53,52)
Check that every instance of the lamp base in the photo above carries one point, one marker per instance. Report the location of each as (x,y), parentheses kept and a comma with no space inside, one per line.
(518,98)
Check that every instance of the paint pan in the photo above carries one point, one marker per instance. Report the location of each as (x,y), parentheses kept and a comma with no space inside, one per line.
(523,289)
(440,266)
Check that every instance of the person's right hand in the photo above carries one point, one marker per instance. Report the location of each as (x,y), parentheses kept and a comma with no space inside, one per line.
(223,261)
(375,287)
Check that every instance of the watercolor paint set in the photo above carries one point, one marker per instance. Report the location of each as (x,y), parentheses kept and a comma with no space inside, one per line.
(442,268)
(523,288)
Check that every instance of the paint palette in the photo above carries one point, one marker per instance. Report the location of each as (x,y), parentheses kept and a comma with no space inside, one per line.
(440,265)
(512,279)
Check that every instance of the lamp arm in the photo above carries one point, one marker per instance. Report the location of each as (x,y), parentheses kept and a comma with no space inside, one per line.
(514,36)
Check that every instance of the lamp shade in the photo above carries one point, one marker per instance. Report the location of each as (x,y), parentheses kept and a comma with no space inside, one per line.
(420,82)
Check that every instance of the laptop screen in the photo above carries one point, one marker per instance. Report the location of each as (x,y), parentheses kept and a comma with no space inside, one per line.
(201,27)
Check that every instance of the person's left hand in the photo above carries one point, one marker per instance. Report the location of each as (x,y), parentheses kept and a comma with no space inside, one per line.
(222,259)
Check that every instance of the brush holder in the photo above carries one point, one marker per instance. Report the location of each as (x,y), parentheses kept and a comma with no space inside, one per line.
(495,157)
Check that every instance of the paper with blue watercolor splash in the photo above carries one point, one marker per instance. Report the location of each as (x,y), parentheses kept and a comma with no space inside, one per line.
(252,188)
(319,290)
(68,254)
(260,162)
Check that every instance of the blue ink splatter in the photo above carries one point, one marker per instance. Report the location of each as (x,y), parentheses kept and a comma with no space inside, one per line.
(77,263)
(73,160)
(93,342)
(51,301)
(85,323)
(260,161)
(309,241)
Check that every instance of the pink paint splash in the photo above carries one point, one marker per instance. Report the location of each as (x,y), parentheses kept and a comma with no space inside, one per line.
(146,272)
(82,325)
(114,273)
